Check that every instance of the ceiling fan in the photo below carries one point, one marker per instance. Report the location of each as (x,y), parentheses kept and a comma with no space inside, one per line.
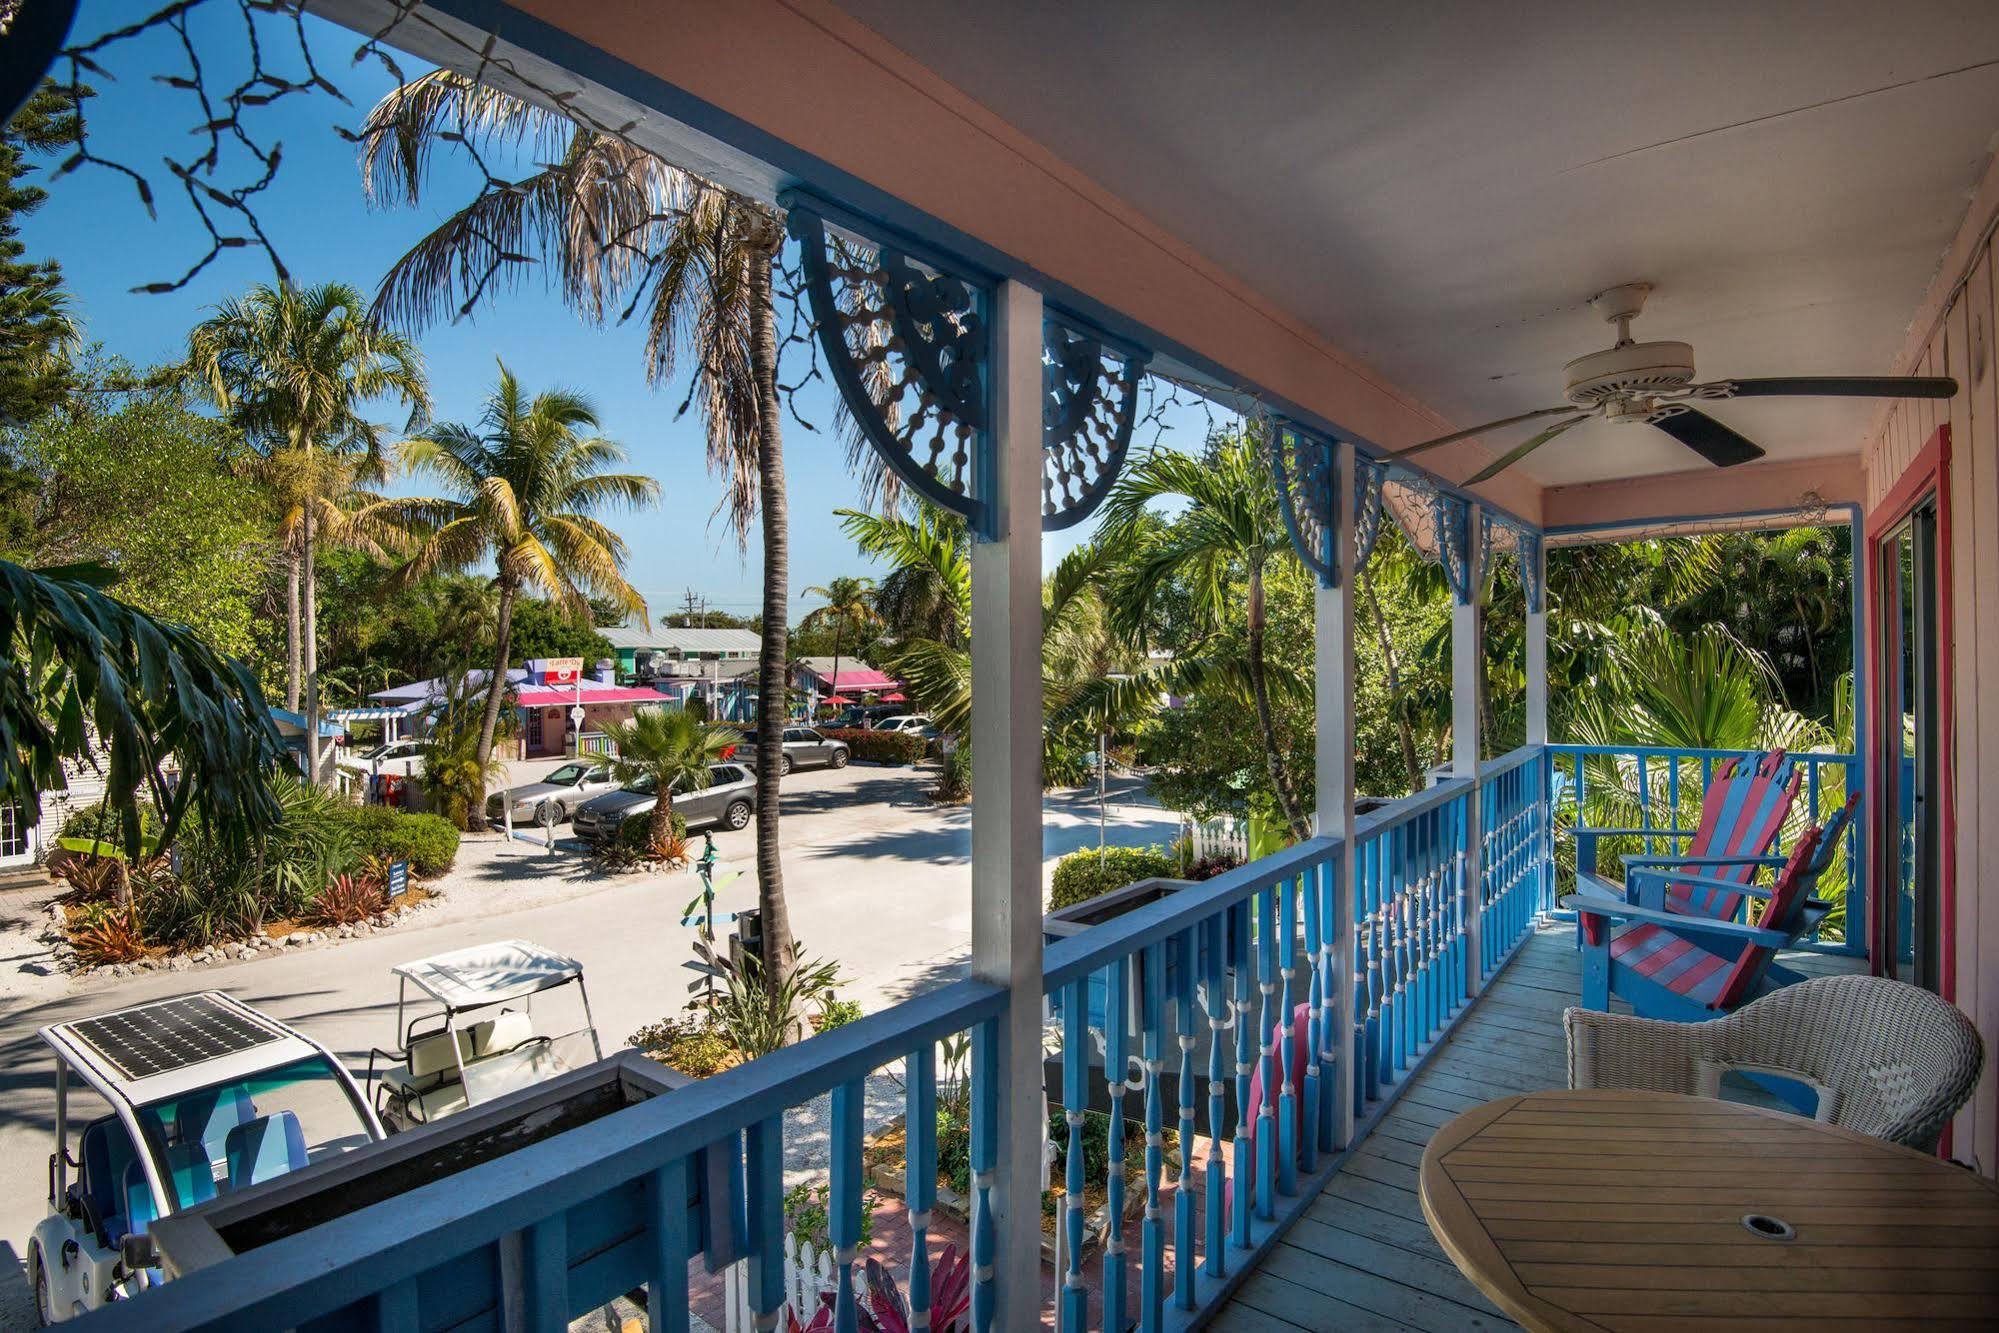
(1653,383)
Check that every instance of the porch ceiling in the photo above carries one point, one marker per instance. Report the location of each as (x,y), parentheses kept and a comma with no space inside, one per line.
(1438,189)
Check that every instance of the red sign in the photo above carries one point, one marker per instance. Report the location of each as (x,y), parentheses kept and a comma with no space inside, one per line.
(562,670)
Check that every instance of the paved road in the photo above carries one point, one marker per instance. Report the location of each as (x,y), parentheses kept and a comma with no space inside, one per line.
(877,877)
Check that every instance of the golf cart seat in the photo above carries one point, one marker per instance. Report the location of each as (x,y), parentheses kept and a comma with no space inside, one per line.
(99,1189)
(192,1183)
(207,1118)
(427,1084)
(265,1148)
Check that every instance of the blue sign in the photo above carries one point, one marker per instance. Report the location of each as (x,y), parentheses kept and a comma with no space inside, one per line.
(399,878)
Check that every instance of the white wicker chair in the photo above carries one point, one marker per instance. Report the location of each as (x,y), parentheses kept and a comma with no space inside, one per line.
(1886,1059)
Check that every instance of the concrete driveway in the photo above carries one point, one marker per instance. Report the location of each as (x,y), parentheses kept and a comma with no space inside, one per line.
(876,876)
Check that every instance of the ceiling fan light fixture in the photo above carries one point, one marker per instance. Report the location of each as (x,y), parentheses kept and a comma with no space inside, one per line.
(1630,370)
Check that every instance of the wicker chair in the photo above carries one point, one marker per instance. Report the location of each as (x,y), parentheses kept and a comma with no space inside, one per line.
(1886,1059)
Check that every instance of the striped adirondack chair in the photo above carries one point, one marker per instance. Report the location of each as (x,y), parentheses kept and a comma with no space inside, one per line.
(1672,966)
(1742,811)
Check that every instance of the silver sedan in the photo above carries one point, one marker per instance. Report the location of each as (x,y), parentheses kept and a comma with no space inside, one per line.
(562,790)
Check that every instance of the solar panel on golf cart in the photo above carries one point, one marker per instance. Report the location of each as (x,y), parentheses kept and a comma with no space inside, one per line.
(160,1038)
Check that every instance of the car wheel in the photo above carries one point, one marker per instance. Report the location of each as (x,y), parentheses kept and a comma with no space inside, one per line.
(737,815)
(560,813)
(784,767)
(38,1274)
(839,759)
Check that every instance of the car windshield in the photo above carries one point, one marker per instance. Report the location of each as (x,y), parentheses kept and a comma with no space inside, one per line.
(642,784)
(251,1129)
(566,776)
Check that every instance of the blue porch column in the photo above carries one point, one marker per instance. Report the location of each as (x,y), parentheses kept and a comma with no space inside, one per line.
(1467,647)
(1333,1043)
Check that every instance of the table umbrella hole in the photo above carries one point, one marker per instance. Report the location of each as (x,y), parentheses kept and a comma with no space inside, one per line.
(1769,1228)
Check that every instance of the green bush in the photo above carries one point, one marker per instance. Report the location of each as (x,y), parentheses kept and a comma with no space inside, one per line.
(635,834)
(92,821)
(878,747)
(837,1013)
(1081,876)
(428,842)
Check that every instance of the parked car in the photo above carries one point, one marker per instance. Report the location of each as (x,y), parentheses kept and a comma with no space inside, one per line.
(729,799)
(916,724)
(864,716)
(194,1095)
(803,748)
(562,790)
(396,759)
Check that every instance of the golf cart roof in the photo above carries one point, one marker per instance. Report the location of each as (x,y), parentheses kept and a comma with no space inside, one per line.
(166,1048)
(490,973)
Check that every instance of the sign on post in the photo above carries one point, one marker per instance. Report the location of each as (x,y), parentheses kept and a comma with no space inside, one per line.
(399,878)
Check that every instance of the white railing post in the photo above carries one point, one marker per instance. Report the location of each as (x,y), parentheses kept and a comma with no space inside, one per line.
(1467,654)
(1006,775)
(1332,614)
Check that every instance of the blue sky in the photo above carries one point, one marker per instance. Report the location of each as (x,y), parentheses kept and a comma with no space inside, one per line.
(324,230)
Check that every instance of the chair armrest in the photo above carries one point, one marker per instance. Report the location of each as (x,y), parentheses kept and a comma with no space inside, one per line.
(1705,881)
(1590,904)
(1629,832)
(1636,859)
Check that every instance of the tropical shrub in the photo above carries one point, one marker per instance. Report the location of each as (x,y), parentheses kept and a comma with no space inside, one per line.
(1081,876)
(954,777)
(807,1215)
(104,934)
(89,877)
(347,899)
(878,747)
(756,1016)
(428,842)
(694,1046)
(94,821)
(880,1307)
(836,1013)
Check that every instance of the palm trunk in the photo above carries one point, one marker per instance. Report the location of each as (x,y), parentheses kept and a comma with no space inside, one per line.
(496,692)
(1259,688)
(292,640)
(778,949)
(660,826)
(1404,733)
(310,642)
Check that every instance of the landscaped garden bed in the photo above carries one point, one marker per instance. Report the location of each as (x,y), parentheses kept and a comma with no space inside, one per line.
(331,870)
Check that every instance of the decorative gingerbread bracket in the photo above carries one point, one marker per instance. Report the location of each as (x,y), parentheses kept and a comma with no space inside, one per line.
(1091,404)
(908,344)
(1306,467)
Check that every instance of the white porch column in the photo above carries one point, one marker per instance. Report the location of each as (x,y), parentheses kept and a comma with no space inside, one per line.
(1333,628)
(1006,777)
(1467,649)
(1537,650)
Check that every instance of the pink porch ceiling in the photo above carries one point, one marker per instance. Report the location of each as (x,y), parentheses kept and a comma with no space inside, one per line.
(1305,212)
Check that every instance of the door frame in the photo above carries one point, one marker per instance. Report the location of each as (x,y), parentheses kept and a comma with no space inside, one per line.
(1927,475)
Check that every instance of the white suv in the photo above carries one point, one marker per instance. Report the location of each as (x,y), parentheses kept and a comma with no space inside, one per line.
(916,724)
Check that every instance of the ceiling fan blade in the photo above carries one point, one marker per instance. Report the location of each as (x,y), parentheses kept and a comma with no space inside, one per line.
(1455,436)
(1705,436)
(1520,451)
(1843,386)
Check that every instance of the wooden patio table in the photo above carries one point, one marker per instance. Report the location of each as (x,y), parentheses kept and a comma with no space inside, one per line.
(1603,1209)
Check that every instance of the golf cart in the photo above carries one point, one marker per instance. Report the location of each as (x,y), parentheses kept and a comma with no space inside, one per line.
(202,1095)
(445,1063)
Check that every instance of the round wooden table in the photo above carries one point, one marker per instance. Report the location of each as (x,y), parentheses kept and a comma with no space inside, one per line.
(1640,1211)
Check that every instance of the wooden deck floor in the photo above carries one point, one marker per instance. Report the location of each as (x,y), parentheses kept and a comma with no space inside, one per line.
(1362,1258)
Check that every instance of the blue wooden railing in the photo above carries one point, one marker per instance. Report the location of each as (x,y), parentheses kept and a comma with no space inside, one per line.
(1664,787)
(1225,1012)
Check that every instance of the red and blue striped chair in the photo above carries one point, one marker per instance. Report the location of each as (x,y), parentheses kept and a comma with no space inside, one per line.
(1669,965)
(1742,812)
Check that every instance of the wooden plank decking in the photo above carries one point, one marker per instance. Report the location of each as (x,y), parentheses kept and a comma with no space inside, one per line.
(1362,1258)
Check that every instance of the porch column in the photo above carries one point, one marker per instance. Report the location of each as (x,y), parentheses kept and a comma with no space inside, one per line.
(1334,756)
(1467,650)
(1006,775)
(1537,643)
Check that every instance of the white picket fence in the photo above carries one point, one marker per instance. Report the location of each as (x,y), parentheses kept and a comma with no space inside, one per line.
(1223,836)
(808,1272)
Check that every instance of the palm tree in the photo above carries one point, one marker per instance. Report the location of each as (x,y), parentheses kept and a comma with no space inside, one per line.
(672,751)
(1231,529)
(296,368)
(1084,690)
(849,601)
(525,487)
(624,230)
